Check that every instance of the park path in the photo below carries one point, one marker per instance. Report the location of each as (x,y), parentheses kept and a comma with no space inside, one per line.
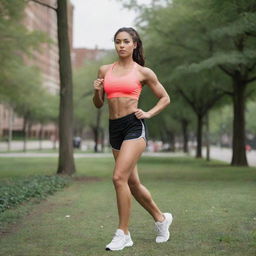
(225,154)
(82,155)
(218,153)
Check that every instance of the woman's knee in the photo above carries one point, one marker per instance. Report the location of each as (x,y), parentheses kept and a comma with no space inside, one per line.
(118,179)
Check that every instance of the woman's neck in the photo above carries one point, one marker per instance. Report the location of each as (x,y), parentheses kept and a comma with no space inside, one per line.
(126,62)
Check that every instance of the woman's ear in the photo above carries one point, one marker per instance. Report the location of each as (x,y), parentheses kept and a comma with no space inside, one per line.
(135,45)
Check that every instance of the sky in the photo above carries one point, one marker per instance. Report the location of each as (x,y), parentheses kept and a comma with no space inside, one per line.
(96,21)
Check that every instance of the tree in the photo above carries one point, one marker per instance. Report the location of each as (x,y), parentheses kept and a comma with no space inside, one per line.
(31,97)
(184,115)
(239,62)
(164,29)
(16,43)
(66,163)
(221,125)
(233,42)
(86,114)
(201,99)
(219,34)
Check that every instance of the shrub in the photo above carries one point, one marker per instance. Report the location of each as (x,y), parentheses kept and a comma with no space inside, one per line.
(14,192)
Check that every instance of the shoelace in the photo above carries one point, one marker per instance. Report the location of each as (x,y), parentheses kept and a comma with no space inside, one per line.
(158,229)
(116,237)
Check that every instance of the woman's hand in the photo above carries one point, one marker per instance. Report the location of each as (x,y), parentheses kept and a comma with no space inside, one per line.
(140,114)
(98,84)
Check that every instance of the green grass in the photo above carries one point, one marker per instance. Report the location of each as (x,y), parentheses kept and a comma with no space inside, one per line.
(47,151)
(213,206)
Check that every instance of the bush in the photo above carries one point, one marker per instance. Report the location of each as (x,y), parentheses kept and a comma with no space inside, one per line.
(14,192)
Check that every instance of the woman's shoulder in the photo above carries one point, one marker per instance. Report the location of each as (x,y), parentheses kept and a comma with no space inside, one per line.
(145,71)
(104,68)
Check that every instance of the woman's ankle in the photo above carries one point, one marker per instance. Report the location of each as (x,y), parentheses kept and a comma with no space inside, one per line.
(126,231)
(160,218)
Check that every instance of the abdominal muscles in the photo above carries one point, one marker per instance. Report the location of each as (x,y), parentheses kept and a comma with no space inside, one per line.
(121,106)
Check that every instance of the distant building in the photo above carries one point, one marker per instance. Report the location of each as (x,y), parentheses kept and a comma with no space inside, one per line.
(38,17)
(82,55)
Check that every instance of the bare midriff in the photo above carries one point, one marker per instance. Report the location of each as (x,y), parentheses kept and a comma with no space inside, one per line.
(121,106)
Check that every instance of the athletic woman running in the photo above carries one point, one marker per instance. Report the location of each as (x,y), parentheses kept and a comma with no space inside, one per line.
(122,82)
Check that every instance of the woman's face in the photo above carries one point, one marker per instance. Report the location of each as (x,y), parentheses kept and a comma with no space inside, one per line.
(124,44)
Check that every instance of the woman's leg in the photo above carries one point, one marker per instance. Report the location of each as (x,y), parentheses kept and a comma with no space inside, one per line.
(128,156)
(141,194)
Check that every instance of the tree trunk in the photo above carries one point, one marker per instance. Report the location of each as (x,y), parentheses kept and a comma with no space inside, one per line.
(25,121)
(97,130)
(10,128)
(199,136)
(66,163)
(102,140)
(96,136)
(238,144)
(207,137)
(41,136)
(184,125)
(172,141)
(29,129)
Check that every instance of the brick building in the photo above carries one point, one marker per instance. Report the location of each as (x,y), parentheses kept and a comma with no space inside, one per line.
(38,17)
(81,55)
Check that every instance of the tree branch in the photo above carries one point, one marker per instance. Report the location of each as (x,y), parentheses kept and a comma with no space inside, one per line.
(228,93)
(249,93)
(43,4)
(190,102)
(250,34)
(225,70)
(252,67)
(178,43)
(251,79)
(212,102)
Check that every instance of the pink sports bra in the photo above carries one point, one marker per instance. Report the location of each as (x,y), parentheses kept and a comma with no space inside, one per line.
(124,86)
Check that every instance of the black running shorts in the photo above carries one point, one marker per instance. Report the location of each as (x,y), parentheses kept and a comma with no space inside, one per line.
(128,127)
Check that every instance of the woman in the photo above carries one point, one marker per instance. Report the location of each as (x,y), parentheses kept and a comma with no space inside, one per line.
(122,83)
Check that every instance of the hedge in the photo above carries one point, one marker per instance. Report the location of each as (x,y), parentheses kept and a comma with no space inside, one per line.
(14,192)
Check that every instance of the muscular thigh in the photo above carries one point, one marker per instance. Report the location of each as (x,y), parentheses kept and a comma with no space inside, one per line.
(126,159)
(134,176)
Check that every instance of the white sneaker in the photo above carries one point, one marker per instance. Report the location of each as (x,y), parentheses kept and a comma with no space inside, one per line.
(119,241)
(162,228)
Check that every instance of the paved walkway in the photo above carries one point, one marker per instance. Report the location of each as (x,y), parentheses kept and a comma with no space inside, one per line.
(223,154)
(81,155)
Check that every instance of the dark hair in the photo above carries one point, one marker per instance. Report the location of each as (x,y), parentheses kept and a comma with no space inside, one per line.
(137,55)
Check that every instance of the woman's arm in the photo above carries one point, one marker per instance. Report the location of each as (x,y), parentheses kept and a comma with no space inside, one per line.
(164,100)
(98,98)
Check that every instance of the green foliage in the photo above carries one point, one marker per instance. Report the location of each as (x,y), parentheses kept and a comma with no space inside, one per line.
(231,58)
(251,118)
(189,43)
(244,24)
(21,85)
(14,192)
(15,37)
(85,112)
(221,123)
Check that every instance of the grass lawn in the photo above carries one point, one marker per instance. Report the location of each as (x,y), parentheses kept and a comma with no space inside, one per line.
(76,150)
(213,206)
